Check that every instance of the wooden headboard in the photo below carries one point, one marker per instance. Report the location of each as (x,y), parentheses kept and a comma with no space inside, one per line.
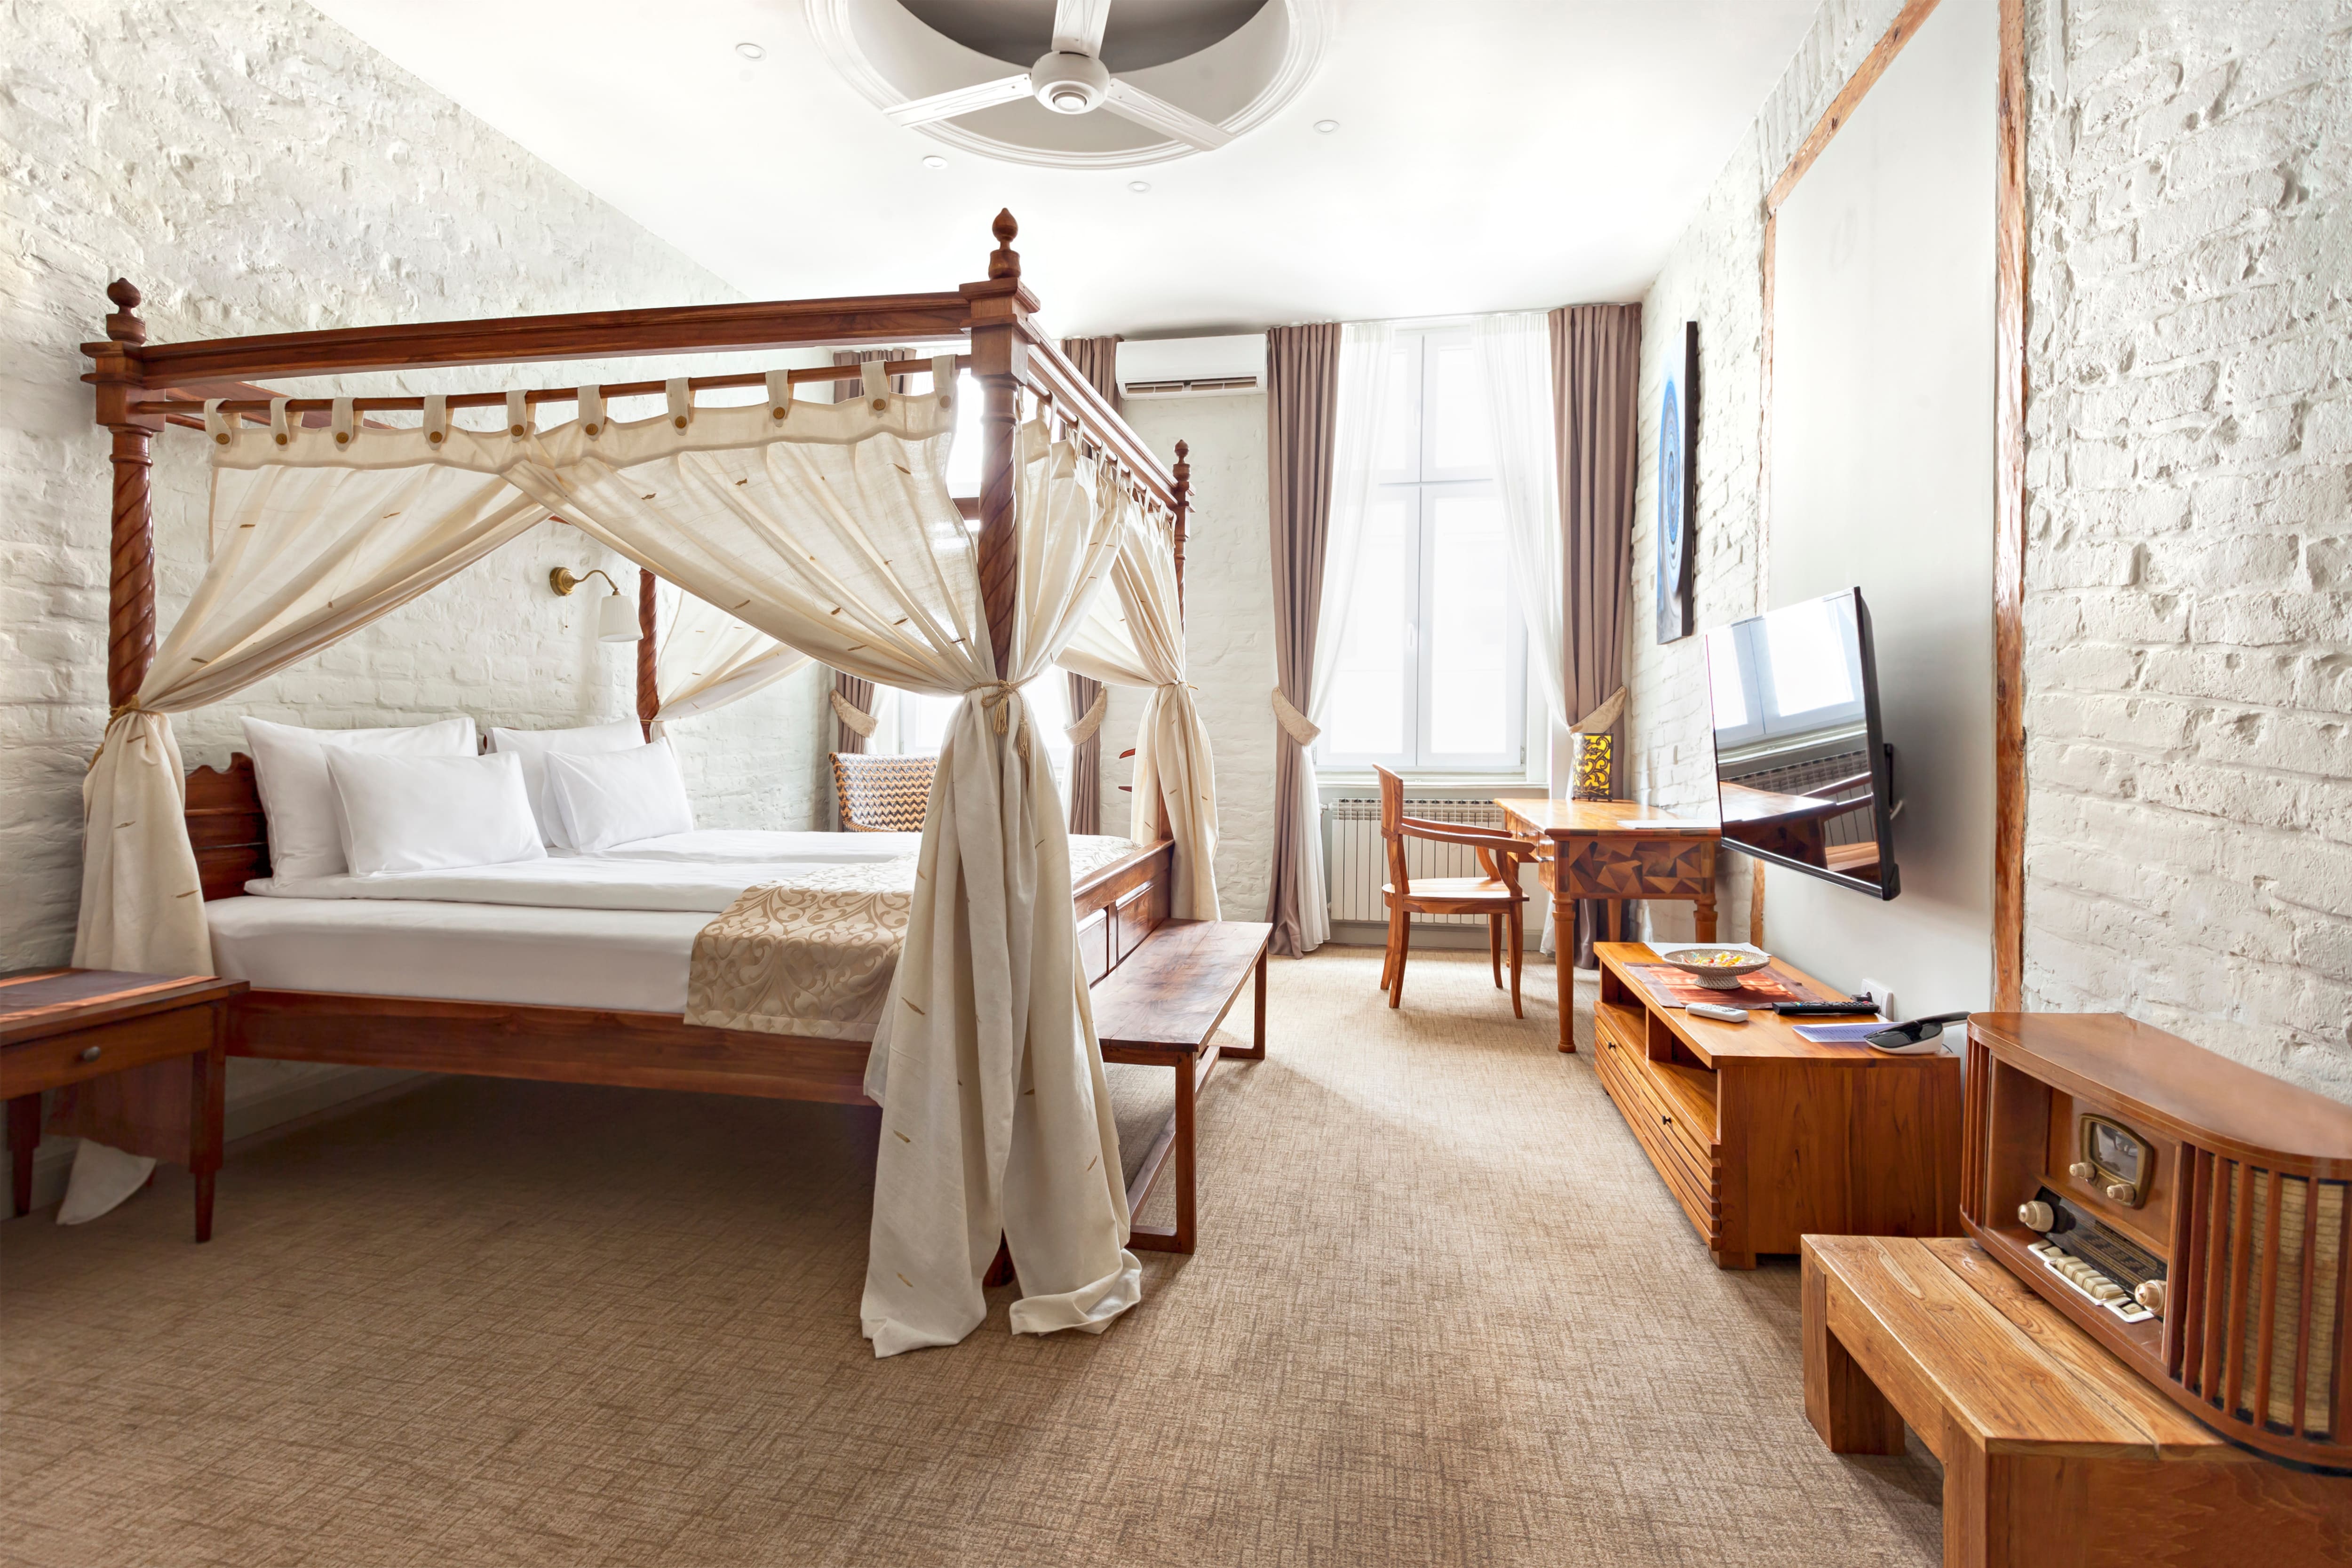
(225,825)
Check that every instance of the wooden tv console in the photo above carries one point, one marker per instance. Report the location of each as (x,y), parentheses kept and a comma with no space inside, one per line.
(1764,1137)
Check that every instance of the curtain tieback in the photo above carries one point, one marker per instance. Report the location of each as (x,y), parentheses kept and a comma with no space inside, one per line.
(996,697)
(120,710)
(858,721)
(1601,718)
(1091,719)
(1295,724)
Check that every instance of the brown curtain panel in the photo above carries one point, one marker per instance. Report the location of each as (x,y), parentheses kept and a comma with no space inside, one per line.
(1086,761)
(1596,372)
(1302,398)
(858,694)
(1097,361)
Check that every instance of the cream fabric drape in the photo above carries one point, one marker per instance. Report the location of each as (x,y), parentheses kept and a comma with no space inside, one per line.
(708,659)
(1135,637)
(829,528)
(1366,366)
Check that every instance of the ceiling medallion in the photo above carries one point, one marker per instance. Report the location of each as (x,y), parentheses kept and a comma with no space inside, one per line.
(1082,104)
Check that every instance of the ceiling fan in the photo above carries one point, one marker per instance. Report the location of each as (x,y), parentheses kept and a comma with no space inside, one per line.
(1070,80)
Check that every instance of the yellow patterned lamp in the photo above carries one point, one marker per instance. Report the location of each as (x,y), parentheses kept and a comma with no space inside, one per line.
(1589,769)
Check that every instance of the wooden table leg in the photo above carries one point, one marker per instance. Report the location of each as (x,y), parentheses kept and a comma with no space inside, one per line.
(1563,921)
(1702,915)
(24,1138)
(1188,1083)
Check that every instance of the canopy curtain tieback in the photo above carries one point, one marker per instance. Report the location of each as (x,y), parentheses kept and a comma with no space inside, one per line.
(859,721)
(1602,718)
(1295,724)
(832,533)
(1079,733)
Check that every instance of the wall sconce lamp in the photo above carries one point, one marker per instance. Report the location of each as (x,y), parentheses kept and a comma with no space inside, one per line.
(617,618)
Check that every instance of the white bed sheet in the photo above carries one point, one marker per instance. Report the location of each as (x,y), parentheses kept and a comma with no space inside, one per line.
(634,960)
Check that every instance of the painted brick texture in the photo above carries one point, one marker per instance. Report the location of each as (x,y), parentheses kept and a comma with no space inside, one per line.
(2189,568)
(2189,617)
(1229,626)
(253,168)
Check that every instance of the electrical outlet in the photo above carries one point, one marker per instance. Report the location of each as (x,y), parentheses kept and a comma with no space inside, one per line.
(1884,995)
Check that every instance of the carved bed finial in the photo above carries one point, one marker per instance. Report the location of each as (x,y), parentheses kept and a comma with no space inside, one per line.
(1004,261)
(124,326)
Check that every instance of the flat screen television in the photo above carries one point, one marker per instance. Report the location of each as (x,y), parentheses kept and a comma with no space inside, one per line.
(1804,777)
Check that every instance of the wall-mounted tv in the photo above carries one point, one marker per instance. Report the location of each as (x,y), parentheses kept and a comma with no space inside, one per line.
(1804,776)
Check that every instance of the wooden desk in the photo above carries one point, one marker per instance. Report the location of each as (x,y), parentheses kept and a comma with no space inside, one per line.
(61,1028)
(1614,850)
(2053,1451)
(1763,1136)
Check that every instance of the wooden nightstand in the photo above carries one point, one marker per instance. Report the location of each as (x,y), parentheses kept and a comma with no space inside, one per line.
(68,1026)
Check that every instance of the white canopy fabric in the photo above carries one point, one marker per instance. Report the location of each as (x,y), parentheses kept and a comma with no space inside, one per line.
(829,528)
(1135,637)
(708,659)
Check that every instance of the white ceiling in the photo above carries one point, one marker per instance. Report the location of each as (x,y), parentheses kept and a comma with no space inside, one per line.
(1492,154)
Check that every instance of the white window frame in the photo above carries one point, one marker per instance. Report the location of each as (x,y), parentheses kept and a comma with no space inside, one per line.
(1420,481)
(892,709)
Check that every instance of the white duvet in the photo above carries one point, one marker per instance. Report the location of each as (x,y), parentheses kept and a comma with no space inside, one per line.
(703,871)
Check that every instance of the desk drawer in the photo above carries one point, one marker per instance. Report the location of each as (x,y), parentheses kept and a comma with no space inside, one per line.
(61,1059)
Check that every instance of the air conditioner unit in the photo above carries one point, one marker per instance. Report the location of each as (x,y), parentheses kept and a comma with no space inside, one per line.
(1192,367)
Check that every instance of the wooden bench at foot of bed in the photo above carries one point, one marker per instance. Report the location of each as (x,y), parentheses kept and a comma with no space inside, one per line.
(1161,1008)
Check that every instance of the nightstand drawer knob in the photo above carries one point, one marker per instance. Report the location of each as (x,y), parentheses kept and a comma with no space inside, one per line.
(90,1053)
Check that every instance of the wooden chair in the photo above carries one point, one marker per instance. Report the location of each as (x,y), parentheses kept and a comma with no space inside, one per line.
(882,794)
(1497,895)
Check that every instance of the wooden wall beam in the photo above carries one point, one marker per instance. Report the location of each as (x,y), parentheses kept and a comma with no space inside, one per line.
(2009,277)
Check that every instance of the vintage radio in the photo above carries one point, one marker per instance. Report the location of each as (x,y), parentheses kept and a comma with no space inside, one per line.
(2194,1216)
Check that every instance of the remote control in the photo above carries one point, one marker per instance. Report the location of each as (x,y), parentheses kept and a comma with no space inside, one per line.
(1822,1009)
(1717,1011)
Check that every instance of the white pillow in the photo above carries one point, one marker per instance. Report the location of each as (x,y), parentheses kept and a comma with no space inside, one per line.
(618,797)
(533,745)
(298,800)
(432,814)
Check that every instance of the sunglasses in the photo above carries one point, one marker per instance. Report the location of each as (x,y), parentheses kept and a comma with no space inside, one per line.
(1914,1034)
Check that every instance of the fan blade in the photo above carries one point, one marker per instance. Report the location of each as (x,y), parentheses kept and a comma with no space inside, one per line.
(1079,26)
(962,101)
(1159,115)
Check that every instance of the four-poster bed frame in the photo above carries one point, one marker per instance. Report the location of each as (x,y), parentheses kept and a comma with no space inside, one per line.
(141,386)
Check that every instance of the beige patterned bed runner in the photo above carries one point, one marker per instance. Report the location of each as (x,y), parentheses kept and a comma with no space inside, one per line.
(814,955)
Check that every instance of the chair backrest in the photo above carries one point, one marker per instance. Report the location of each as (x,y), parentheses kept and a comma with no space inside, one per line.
(882,794)
(1392,825)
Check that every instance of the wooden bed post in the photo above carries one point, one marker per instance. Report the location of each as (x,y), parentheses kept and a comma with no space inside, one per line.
(648,688)
(1183,489)
(131,576)
(1000,362)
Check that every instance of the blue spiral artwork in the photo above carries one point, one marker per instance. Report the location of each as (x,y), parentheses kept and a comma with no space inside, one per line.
(1677,444)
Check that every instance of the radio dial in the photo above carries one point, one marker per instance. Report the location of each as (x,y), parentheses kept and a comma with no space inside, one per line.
(2035,1215)
(2081,1170)
(2123,1193)
(2151,1295)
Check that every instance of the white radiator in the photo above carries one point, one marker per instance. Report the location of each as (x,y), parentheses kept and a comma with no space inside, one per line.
(1357,862)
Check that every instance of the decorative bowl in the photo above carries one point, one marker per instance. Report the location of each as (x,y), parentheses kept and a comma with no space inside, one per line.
(1716,968)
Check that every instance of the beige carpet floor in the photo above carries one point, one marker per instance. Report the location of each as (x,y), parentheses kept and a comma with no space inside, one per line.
(1442,1313)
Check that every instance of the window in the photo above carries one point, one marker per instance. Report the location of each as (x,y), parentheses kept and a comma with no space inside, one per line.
(1432,671)
(908,723)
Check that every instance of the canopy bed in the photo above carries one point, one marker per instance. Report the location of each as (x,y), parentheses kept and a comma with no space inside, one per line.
(798,530)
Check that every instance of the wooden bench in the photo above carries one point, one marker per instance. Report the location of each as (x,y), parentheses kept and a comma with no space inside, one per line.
(1160,1008)
(2055,1452)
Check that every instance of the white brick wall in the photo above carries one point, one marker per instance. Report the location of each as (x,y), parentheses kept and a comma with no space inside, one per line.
(2189,660)
(1229,627)
(2189,564)
(254,168)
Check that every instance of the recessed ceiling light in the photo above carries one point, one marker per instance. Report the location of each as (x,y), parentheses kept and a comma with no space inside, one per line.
(750,51)
(935,162)
(1138,185)
(1327,126)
